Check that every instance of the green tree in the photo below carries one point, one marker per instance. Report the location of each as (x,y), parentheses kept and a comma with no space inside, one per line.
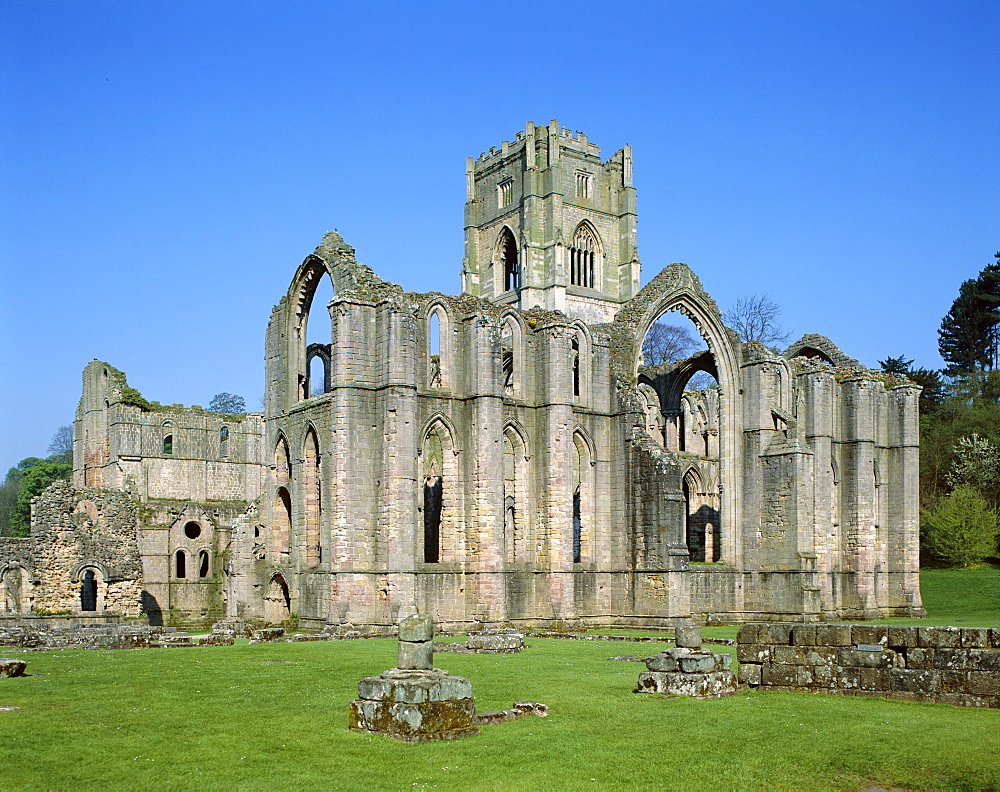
(34,480)
(228,403)
(962,529)
(896,365)
(933,391)
(968,336)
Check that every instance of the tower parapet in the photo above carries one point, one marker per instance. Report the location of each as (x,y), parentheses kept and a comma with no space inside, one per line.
(550,224)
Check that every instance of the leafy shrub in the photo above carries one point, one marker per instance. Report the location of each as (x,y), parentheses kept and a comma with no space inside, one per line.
(962,529)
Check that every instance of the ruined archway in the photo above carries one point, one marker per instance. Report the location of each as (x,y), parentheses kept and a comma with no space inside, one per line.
(676,288)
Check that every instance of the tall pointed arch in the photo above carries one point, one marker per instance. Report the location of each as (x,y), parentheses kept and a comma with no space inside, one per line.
(439,346)
(584,498)
(512,356)
(439,495)
(676,288)
(311,492)
(506,262)
(516,497)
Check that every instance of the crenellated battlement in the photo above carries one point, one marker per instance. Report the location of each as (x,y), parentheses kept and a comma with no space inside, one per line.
(567,138)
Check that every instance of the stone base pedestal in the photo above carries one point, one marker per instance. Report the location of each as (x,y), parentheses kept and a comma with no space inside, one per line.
(414,705)
(688,672)
(495,642)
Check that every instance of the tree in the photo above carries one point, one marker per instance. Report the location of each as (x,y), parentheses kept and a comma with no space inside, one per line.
(61,447)
(933,391)
(228,403)
(976,465)
(34,480)
(896,365)
(962,529)
(968,336)
(666,344)
(756,318)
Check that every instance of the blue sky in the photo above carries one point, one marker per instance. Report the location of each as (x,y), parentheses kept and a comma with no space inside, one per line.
(165,167)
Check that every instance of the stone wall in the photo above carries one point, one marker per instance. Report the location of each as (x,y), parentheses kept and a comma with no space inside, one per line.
(951,665)
(79,530)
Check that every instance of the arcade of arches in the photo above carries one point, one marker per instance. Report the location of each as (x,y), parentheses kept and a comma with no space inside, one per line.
(501,456)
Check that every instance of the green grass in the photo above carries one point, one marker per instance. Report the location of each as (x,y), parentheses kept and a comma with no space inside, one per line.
(274,717)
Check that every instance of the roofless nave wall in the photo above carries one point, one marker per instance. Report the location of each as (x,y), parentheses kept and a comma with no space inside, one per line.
(504,455)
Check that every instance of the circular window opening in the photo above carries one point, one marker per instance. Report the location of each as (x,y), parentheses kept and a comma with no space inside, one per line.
(192,530)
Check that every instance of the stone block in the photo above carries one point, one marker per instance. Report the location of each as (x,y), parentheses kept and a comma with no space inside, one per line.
(418,627)
(920,658)
(819,655)
(425,722)
(498,643)
(719,683)
(983,683)
(790,655)
(847,678)
(940,637)
(748,634)
(688,636)
(749,674)
(902,637)
(753,653)
(869,634)
(858,658)
(833,635)
(824,676)
(875,679)
(11,667)
(953,681)
(782,675)
(216,639)
(913,681)
(995,637)
(985,660)
(952,658)
(697,663)
(804,635)
(662,662)
(775,634)
(975,638)
(416,655)
(414,687)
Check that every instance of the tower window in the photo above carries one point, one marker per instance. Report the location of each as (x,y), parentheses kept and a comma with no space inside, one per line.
(583,184)
(507,257)
(505,193)
(582,258)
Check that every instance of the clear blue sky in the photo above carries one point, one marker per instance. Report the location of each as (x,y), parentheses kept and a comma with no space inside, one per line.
(166,166)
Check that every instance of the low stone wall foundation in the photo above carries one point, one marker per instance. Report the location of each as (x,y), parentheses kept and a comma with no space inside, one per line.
(950,665)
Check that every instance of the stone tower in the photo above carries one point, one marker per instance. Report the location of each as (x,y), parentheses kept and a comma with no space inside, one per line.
(549,224)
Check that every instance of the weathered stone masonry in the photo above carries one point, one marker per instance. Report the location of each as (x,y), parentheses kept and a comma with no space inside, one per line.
(950,665)
(505,456)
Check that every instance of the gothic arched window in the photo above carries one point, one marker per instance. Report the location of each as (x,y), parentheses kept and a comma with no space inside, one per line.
(582,257)
(506,257)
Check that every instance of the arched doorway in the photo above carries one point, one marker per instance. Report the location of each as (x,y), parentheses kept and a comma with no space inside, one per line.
(88,591)
(278,602)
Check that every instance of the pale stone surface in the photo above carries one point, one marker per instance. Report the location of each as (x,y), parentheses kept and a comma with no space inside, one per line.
(710,685)
(415,655)
(498,643)
(688,635)
(418,627)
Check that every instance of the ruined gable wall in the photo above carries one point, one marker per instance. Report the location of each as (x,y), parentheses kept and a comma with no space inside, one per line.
(76,528)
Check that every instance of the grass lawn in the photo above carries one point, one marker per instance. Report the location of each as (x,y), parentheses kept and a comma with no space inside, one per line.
(274,717)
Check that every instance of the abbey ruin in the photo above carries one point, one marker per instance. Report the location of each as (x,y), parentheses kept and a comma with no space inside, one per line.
(501,456)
